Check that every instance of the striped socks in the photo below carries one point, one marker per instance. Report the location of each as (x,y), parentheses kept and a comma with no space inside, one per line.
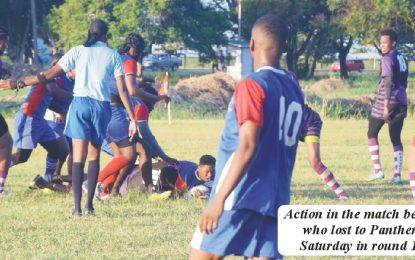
(51,164)
(3,176)
(398,157)
(412,184)
(374,155)
(327,176)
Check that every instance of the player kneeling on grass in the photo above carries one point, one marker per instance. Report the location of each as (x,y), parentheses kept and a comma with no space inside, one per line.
(256,155)
(310,134)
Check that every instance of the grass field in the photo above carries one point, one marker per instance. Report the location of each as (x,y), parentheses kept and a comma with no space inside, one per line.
(38,225)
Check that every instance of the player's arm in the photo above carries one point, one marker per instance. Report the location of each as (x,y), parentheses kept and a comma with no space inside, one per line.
(248,134)
(249,99)
(41,77)
(388,89)
(57,92)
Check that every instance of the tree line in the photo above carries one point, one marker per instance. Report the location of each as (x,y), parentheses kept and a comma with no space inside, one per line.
(320,29)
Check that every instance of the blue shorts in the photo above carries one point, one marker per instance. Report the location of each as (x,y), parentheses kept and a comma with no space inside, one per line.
(59,128)
(240,232)
(118,127)
(107,148)
(88,119)
(29,131)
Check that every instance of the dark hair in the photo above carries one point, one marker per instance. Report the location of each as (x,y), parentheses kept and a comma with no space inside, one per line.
(56,57)
(96,32)
(153,91)
(207,160)
(391,33)
(168,174)
(135,41)
(4,34)
(273,27)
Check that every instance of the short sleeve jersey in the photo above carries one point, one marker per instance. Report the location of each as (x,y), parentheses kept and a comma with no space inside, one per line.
(37,101)
(130,68)
(141,112)
(61,105)
(95,66)
(393,65)
(274,101)
(188,172)
(312,124)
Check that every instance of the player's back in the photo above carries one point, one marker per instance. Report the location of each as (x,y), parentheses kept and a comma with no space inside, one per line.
(266,184)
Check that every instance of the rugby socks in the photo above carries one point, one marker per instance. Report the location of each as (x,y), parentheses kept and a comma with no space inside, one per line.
(110,172)
(51,164)
(327,176)
(398,157)
(374,154)
(3,176)
(93,171)
(77,179)
(412,184)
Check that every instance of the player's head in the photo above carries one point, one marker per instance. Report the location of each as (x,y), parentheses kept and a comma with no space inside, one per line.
(168,177)
(153,91)
(97,31)
(206,167)
(56,57)
(388,39)
(133,45)
(4,40)
(269,37)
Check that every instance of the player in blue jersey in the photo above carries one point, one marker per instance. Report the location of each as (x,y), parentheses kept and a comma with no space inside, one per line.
(256,155)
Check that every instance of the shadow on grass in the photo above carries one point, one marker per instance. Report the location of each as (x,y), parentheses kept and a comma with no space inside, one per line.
(377,191)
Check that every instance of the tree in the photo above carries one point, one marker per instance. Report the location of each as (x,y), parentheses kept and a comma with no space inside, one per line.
(158,21)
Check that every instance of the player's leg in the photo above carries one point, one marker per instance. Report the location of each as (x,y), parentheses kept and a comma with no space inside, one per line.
(128,151)
(196,254)
(109,173)
(395,129)
(56,152)
(411,167)
(145,165)
(313,154)
(80,149)
(63,154)
(20,156)
(375,125)
(6,144)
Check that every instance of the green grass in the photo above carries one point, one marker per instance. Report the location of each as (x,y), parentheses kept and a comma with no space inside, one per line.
(38,225)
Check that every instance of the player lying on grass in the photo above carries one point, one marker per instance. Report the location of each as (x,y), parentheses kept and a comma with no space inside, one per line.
(147,147)
(188,177)
(310,135)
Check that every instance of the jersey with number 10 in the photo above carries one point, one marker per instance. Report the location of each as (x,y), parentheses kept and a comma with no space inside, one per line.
(271,99)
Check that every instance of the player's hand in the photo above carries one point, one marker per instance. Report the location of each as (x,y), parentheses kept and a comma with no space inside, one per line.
(172,161)
(208,221)
(60,118)
(166,99)
(132,130)
(8,84)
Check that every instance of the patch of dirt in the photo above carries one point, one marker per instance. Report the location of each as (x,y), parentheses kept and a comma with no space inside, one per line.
(327,85)
(213,90)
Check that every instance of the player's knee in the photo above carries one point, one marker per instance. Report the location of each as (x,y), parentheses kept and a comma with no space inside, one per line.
(23,156)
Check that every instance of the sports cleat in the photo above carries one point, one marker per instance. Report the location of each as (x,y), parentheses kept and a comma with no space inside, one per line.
(76,213)
(376,176)
(396,180)
(89,212)
(103,197)
(344,197)
(33,185)
(40,182)
(5,194)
